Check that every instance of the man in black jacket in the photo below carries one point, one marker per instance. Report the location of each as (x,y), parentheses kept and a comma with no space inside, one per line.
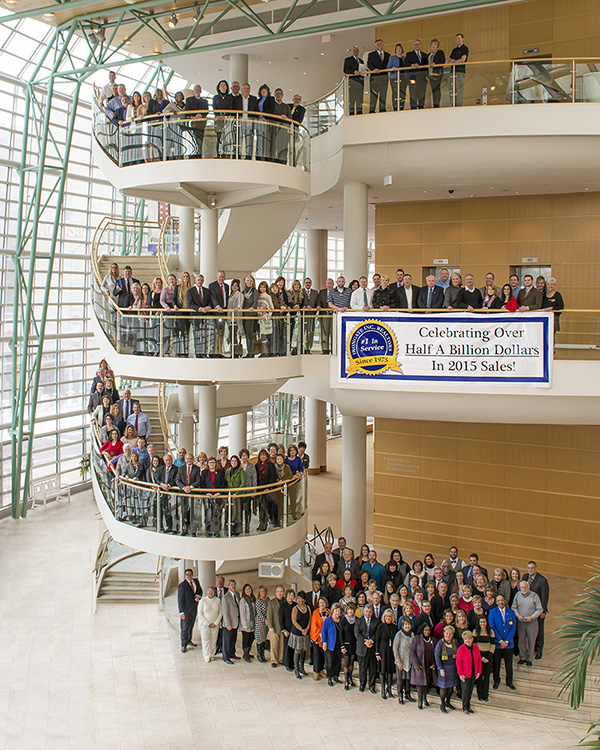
(219,296)
(426,617)
(540,586)
(296,108)
(356,84)
(430,295)
(247,103)
(123,288)
(414,59)
(364,630)
(198,299)
(167,476)
(468,297)
(408,294)
(325,318)
(189,593)
(326,556)
(188,478)
(197,125)
(378,61)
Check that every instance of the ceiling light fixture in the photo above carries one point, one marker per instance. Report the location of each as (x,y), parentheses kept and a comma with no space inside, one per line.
(173,20)
(198,15)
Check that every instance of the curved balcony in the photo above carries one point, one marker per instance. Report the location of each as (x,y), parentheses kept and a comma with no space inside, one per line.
(204,525)
(195,159)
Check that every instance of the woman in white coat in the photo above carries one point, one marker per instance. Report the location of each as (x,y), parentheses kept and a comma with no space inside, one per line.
(209,617)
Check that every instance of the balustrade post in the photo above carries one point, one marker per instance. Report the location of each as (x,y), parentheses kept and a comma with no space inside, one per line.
(513,75)
(119,329)
(229,515)
(160,334)
(119,155)
(233,335)
(573,81)
(158,511)
(285,506)
(164,138)
(288,347)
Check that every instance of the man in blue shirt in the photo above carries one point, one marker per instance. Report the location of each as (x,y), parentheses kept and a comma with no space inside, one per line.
(142,452)
(180,460)
(444,280)
(140,421)
(375,569)
(339,297)
(115,103)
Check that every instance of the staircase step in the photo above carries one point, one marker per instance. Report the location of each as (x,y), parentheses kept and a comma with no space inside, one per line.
(129,598)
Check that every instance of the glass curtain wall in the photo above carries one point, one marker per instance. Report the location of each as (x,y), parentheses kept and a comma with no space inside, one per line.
(69,353)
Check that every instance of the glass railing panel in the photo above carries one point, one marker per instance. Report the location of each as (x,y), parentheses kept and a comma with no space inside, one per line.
(486,84)
(540,81)
(587,81)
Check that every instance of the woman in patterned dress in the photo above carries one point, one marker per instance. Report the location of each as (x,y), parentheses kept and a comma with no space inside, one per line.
(260,622)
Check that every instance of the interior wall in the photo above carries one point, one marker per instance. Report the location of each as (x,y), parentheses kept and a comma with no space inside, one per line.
(503,32)
(494,234)
(508,492)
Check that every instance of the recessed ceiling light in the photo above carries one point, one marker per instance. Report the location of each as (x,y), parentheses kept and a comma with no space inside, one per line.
(48,15)
(295,58)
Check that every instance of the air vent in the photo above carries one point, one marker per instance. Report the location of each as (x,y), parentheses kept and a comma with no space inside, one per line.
(271,569)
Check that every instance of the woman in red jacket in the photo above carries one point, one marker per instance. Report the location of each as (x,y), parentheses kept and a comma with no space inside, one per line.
(468,666)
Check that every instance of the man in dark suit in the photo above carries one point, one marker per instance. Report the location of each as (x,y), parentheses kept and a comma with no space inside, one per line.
(311,300)
(188,478)
(235,95)
(468,569)
(468,297)
(529,298)
(198,124)
(440,602)
(425,618)
(123,288)
(126,403)
(189,592)
(325,318)
(378,61)
(430,295)
(348,562)
(356,84)
(296,109)
(198,299)
(364,630)
(219,296)
(414,59)
(540,586)
(326,556)
(408,294)
(246,103)
(167,477)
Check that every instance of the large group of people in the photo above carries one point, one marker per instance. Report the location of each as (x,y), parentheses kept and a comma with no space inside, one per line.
(203,495)
(413,70)
(448,626)
(245,125)
(273,319)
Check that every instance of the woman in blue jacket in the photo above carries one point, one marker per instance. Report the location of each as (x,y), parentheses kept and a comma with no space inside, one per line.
(331,639)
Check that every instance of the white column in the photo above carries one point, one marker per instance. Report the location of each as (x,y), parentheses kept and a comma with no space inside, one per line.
(209,244)
(237,432)
(187,257)
(316,256)
(355,230)
(207,418)
(186,419)
(354,480)
(238,68)
(316,434)
(207,573)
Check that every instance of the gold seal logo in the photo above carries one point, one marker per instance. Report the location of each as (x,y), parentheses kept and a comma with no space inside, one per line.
(372,349)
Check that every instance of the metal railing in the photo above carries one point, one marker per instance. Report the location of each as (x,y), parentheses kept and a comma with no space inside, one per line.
(243,511)
(203,134)
(484,83)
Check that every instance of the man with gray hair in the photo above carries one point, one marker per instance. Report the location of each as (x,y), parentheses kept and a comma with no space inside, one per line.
(527,606)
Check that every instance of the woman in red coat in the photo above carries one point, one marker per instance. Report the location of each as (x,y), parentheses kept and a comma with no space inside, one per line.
(468,666)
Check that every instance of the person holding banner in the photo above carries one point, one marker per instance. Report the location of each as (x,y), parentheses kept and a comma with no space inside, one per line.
(431,296)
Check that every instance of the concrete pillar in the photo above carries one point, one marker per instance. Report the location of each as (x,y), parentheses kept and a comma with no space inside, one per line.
(354,480)
(187,250)
(186,420)
(209,244)
(238,68)
(238,434)
(316,256)
(207,573)
(207,418)
(356,230)
(316,434)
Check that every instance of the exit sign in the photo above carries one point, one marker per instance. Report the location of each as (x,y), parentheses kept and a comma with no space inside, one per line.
(529,260)
(440,261)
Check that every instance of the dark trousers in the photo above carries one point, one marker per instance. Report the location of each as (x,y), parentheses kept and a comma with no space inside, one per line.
(367,668)
(467,691)
(436,89)
(483,683)
(503,655)
(379,87)
(229,639)
(418,89)
(539,641)
(220,640)
(247,639)
(318,657)
(187,625)
(356,92)
(288,653)
(333,661)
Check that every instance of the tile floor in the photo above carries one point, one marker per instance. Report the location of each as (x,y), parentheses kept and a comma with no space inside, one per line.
(70,680)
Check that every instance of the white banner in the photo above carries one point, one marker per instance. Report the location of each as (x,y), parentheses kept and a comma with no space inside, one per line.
(502,348)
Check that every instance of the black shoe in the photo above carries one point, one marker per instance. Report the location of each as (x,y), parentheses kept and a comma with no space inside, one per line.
(191,643)
(227,661)
(400,700)
(298,675)
(496,685)
(330,682)
(450,706)
(466,711)
(426,702)
(372,690)
(538,655)
(274,665)
(521,661)
(470,710)
(530,664)
(336,680)
(443,708)
(184,649)
(361,689)
(485,700)
(236,658)
(510,685)
(409,698)
(289,669)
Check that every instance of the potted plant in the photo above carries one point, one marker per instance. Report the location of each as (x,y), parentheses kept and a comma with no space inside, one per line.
(84,466)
